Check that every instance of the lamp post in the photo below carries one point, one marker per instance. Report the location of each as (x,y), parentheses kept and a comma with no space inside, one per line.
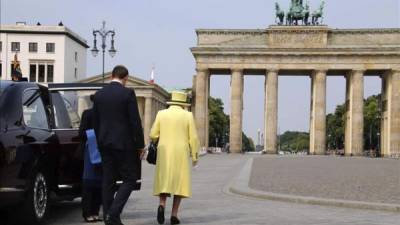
(103,33)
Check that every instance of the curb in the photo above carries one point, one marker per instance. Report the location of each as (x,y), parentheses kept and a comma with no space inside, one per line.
(240,186)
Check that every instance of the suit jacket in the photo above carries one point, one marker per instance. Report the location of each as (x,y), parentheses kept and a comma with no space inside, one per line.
(116,119)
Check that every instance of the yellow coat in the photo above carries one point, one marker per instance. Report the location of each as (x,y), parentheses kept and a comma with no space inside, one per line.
(176,131)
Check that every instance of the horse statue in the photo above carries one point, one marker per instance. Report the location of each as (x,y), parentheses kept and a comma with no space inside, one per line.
(295,13)
(280,14)
(317,14)
(306,14)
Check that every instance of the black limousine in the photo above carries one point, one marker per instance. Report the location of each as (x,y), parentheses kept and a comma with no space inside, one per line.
(40,158)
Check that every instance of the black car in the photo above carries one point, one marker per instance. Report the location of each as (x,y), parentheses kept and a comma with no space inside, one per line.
(40,157)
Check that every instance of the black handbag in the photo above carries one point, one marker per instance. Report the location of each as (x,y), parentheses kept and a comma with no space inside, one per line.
(152,153)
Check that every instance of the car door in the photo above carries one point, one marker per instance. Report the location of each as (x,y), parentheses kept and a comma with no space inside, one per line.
(69,102)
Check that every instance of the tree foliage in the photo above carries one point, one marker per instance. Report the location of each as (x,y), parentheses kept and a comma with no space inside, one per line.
(219,126)
(219,123)
(336,123)
(335,129)
(294,141)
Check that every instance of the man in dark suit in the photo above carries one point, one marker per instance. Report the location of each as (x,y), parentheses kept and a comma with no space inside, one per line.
(120,139)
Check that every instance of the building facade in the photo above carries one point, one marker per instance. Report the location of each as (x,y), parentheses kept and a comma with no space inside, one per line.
(46,54)
(151,98)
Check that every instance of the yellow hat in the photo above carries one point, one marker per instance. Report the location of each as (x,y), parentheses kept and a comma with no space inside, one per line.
(178,98)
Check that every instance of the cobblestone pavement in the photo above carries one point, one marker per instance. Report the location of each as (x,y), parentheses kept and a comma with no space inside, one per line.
(359,179)
(211,204)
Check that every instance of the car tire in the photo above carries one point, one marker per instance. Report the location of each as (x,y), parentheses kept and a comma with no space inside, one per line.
(36,204)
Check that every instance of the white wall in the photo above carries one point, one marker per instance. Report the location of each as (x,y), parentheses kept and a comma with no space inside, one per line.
(63,58)
(70,64)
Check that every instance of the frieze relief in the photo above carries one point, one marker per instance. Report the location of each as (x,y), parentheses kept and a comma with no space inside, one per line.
(252,59)
(300,39)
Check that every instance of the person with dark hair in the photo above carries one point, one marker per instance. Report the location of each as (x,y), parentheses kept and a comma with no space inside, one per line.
(92,175)
(16,76)
(119,133)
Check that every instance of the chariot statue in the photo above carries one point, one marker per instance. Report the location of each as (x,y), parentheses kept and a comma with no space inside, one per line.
(299,11)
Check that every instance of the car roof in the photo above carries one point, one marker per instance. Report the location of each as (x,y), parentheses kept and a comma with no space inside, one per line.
(7,83)
(75,86)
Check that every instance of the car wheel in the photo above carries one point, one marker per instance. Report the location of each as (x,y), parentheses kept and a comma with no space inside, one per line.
(37,202)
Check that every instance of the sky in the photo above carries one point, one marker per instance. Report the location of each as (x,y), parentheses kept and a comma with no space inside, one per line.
(160,33)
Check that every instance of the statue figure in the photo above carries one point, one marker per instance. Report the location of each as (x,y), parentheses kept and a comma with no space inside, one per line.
(306,14)
(295,13)
(280,14)
(317,14)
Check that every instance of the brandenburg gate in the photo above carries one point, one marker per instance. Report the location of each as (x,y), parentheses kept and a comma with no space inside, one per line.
(316,51)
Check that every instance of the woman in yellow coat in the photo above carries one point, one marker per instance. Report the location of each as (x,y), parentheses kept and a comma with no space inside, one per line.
(175,131)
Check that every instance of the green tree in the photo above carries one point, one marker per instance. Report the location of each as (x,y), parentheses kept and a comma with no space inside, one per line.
(336,123)
(335,126)
(219,123)
(371,122)
(219,126)
(247,143)
(294,141)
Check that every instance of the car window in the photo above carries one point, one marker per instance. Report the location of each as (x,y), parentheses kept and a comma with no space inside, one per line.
(68,107)
(33,110)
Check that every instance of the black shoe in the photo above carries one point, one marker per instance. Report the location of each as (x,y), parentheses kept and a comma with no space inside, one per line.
(160,215)
(175,220)
(109,220)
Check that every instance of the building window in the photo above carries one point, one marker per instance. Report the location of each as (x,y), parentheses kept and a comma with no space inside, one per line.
(1,46)
(50,47)
(76,56)
(41,72)
(33,47)
(32,73)
(76,73)
(15,47)
(1,70)
(50,73)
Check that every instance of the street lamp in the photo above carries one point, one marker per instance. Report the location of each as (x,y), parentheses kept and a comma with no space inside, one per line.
(103,33)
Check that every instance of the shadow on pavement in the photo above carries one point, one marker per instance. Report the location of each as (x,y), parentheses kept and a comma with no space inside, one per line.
(60,213)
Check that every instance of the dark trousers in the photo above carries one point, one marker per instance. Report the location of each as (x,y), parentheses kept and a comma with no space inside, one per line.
(91,200)
(117,164)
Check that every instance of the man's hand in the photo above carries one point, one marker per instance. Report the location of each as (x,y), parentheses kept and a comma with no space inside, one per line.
(142,153)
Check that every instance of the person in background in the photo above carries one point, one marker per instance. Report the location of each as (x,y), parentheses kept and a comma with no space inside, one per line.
(16,76)
(175,131)
(92,175)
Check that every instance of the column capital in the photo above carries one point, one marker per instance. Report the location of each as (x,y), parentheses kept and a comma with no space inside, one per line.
(237,70)
(202,69)
(358,70)
(321,70)
(396,70)
(272,70)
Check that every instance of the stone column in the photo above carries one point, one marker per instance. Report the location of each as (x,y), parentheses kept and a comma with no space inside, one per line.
(207,121)
(318,113)
(201,104)
(390,125)
(235,138)
(271,112)
(147,118)
(354,113)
